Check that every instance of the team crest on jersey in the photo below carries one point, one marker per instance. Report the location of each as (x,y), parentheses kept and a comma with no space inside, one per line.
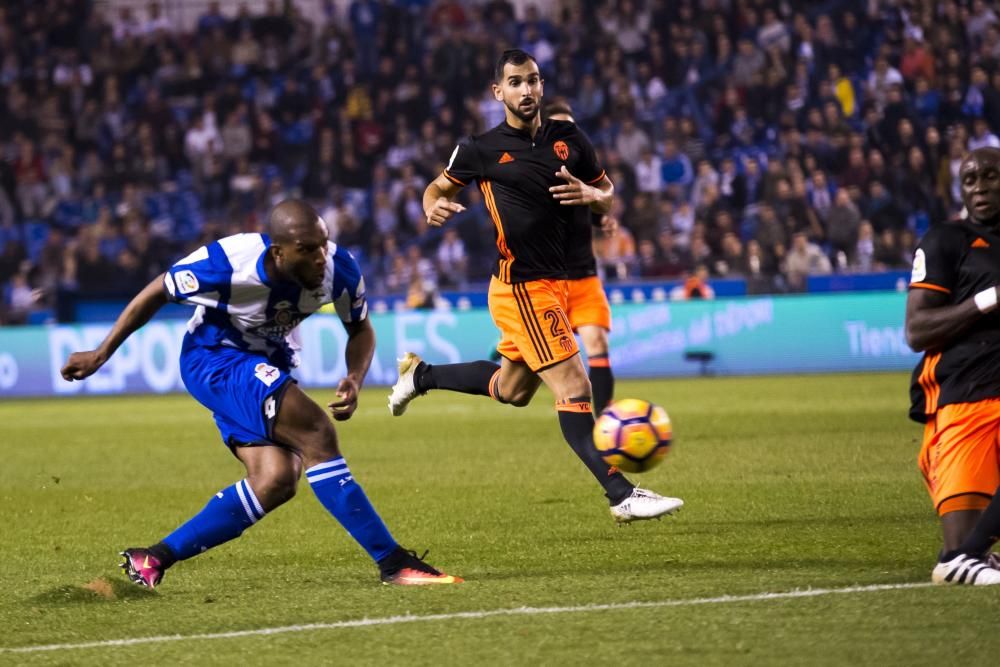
(266,373)
(187,282)
(283,316)
(919,266)
(561,150)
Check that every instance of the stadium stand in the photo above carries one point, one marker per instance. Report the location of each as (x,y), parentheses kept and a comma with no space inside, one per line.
(775,142)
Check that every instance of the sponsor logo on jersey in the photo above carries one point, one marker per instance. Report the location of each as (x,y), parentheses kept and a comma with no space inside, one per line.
(187,282)
(561,150)
(980,242)
(266,373)
(505,158)
(919,266)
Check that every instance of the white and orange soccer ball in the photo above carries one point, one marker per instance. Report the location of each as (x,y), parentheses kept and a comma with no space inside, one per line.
(633,435)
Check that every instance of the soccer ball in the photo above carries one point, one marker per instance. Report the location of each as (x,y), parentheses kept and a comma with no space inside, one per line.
(633,435)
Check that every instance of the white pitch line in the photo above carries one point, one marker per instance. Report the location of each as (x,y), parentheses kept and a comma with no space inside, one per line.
(518,611)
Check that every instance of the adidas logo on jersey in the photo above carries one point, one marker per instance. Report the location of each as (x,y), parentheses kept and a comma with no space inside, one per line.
(980,243)
(505,158)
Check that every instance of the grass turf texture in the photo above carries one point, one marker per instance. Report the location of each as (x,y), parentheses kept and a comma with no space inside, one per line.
(790,482)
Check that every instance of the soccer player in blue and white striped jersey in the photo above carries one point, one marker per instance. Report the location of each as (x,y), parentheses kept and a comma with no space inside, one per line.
(250,292)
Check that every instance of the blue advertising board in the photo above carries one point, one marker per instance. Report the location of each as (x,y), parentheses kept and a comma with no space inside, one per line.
(756,335)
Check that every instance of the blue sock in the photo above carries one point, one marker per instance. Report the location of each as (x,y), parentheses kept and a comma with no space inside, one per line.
(344,498)
(224,518)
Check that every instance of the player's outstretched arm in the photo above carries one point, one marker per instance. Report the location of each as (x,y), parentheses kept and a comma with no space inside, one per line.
(438,206)
(139,311)
(359,352)
(931,323)
(598,196)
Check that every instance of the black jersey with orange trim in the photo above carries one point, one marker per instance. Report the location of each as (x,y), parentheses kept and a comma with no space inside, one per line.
(515,173)
(959,259)
(580,261)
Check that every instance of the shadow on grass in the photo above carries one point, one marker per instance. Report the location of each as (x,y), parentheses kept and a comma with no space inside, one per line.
(99,591)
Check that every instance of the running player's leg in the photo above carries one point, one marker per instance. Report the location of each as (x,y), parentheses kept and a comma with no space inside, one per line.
(244,393)
(303,426)
(545,341)
(590,316)
(478,377)
(602,380)
(568,381)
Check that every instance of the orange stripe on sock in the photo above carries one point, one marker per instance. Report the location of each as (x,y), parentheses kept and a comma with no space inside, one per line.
(494,386)
(599,362)
(579,406)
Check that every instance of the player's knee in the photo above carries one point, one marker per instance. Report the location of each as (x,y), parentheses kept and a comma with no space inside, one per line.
(520,396)
(520,400)
(319,441)
(274,487)
(595,346)
(577,389)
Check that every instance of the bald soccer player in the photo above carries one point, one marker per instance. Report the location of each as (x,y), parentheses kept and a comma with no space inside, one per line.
(250,291)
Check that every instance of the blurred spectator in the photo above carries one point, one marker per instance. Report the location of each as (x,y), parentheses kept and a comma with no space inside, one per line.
(695,286)
(843,225)
(615,253)
(804,259)
(452,260)
(844,124)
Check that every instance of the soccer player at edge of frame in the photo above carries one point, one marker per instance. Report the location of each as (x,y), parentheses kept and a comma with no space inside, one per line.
(535,177)
(951,316)
(250,292)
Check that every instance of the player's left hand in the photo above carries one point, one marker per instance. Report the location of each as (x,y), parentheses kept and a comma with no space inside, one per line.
(575,192)
(347,392)
(82,365)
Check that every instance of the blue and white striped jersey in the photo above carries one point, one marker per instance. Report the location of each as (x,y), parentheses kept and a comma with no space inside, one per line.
(239,305)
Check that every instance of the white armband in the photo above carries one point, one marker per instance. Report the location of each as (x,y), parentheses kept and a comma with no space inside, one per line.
(986,301)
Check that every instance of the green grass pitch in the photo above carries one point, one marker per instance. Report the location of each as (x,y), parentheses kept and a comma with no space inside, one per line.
(791,483)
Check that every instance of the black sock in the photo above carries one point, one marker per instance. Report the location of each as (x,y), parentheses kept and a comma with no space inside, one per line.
(163,554)
(469,378)
(577,424)
(602,381)
(986,531)
(392,563)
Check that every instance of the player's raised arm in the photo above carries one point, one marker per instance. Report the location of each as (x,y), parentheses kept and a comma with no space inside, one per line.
(438,206)
(139,311)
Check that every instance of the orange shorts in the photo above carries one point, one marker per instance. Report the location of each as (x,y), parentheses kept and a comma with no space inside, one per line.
(532,320)
(588,304)
(960,457)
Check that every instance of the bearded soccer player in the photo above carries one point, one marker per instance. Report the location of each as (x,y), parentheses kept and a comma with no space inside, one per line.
(951,316)
(250,292)
(533,176)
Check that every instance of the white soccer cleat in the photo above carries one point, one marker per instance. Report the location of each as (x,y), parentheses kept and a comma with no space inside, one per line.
(644,504)
(404,390)
(968,570)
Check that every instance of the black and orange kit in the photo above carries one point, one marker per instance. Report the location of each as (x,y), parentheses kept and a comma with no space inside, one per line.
(955,390)
(528,294)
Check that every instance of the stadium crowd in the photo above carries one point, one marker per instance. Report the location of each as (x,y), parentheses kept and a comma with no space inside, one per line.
(753,138)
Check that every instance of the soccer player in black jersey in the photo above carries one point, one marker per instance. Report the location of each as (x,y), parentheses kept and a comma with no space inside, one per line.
(951,316)
(535,176)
